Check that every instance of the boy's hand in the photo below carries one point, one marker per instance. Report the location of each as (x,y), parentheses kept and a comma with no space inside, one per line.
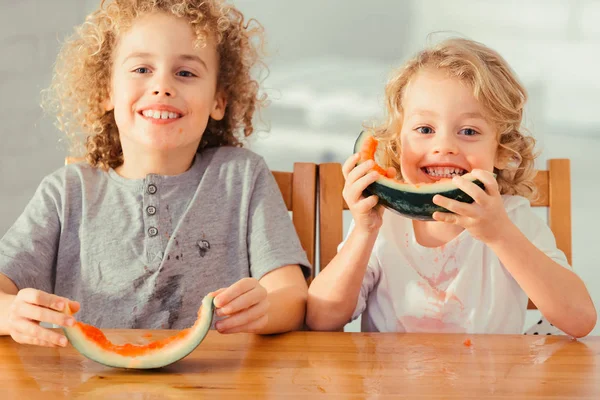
(367,214)
(29,308)
(245,305)
(486,217)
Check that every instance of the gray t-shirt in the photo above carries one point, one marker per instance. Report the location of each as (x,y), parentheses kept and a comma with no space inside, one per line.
(143,253)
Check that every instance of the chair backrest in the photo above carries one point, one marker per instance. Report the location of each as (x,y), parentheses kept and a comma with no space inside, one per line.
(299,192)
(553,186)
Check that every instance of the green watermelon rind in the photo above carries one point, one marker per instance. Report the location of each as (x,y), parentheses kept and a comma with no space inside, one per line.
(157,358)
(412,201)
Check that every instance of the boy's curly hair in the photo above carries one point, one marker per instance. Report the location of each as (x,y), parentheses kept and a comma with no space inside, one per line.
(494,84)
(81,81)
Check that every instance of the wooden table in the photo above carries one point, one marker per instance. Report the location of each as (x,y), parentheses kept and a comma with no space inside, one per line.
(311,365)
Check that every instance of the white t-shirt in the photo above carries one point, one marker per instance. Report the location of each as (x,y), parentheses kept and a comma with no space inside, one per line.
(459,287)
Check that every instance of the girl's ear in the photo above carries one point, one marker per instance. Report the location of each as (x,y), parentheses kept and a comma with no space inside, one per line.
(218,111)
(507,160)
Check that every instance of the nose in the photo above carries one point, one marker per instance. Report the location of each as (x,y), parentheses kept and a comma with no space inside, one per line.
(163,92)
(445,143)
(162,86)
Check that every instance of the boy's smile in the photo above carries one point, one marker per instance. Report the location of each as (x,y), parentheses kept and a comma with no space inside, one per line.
(160,113)
(444,131)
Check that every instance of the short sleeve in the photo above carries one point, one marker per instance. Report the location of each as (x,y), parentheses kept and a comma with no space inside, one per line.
(534,228)
(272,238)
(370,279)
(28,249)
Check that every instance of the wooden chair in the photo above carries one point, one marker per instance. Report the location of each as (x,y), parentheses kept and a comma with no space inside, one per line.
(299,192)
(554,192)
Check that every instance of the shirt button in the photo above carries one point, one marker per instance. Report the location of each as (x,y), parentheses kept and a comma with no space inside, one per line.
(152,189)
(151,210)
(152,231)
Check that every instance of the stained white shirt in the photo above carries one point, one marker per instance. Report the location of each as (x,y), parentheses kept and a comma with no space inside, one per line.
(459,287)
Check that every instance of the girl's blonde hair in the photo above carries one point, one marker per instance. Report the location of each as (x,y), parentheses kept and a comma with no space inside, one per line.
(81,81)
(495,86)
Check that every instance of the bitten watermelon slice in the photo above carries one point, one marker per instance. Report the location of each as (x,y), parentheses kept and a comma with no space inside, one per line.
(412,201)
(93,344)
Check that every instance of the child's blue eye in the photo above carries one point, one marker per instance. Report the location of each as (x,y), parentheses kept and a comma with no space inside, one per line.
(425,130)
(186,74)
(141,70)
(469,132)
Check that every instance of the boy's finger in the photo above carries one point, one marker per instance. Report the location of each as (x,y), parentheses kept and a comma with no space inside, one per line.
(40,298)
(233,291)
(242,302)
(216,292)
(41,314)
(30,329)
(74,306)
(252,327)
(33,341)
(244,317)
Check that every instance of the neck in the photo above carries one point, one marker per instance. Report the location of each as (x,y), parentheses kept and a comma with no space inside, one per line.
(435,233)
(138,164)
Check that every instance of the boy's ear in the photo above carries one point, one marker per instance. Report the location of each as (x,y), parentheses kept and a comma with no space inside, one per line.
(218,111)
(108,103)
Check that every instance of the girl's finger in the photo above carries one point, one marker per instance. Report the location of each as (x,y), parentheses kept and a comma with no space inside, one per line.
(365,205)
(476,193)
(391,172)
(349,164)
(489,181)
(354,192)
(252,327)
(359,172)
(457,207)
(41,314)
(449,218)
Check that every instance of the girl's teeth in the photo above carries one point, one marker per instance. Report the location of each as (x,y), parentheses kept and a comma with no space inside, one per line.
(444,172)
(156,115)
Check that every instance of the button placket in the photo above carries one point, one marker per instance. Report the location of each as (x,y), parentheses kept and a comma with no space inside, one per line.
(151,218)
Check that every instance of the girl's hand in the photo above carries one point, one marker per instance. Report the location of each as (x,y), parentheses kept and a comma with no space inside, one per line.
(367,214)
(486,217)
(245,305)
(29,308)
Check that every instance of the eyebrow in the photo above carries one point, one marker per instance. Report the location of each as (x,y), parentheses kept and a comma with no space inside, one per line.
(182,57)
(423,112)
(474,115)
(468,114)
